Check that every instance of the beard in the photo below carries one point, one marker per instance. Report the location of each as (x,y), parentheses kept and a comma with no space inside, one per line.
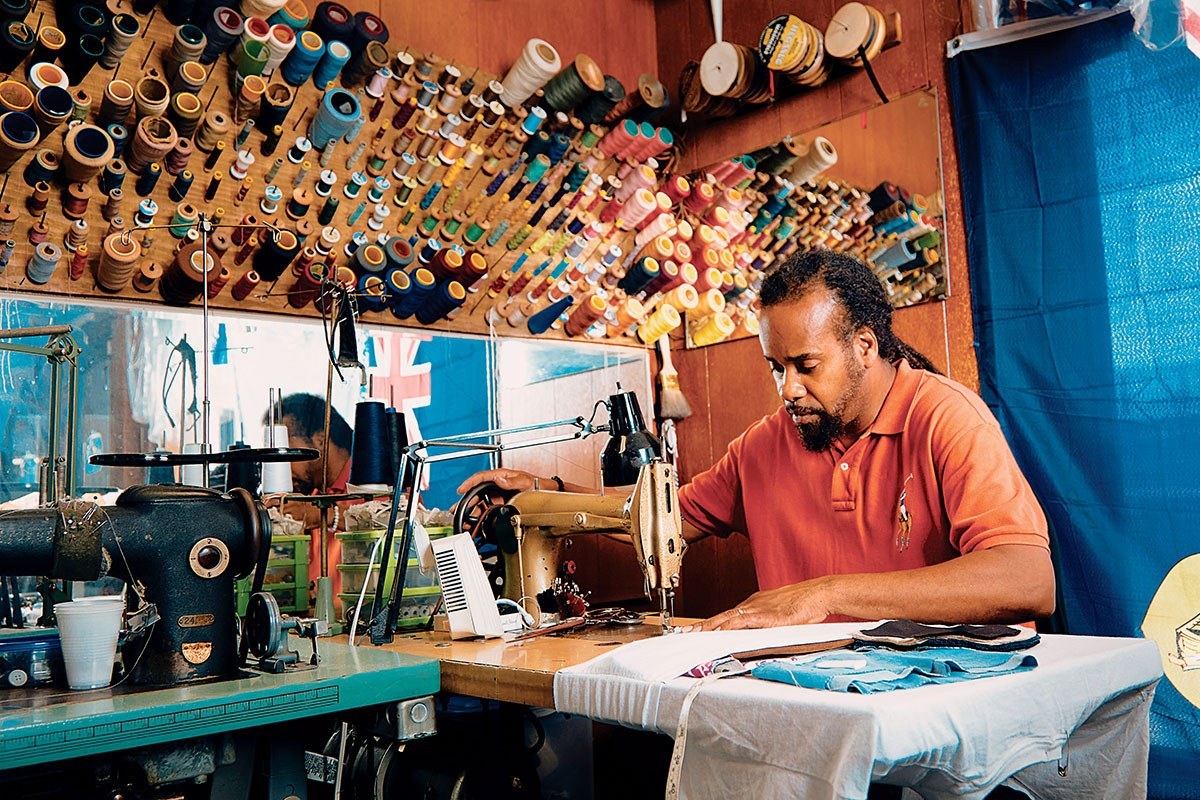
(823,428)
(820,433)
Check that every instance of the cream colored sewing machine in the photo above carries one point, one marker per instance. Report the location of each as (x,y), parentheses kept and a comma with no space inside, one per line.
(649,516)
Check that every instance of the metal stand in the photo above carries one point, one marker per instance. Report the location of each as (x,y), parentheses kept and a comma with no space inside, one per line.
(383,623)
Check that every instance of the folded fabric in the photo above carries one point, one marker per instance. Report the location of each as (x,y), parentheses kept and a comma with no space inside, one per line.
(905,634)
(867,671)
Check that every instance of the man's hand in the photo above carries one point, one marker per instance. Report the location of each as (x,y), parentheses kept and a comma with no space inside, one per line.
(797,604)
(512,480)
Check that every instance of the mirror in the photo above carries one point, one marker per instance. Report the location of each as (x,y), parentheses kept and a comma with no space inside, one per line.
(869,184)
(139,390)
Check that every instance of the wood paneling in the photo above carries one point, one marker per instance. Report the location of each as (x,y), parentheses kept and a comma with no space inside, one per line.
(943,330)
(490,33)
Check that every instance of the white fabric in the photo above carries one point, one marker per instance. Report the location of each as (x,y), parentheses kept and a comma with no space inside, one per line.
(753,738)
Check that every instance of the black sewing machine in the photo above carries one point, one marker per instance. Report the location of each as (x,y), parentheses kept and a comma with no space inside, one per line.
(179,549)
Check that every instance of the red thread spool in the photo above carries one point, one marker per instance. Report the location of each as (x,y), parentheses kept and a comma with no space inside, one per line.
(245,285)
(76,203)
(246,249)
(79,262)
(217,284)
(307,286)
(250,226)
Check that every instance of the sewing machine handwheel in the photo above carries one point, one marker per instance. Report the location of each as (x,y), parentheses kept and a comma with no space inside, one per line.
(478,508)
(264,625)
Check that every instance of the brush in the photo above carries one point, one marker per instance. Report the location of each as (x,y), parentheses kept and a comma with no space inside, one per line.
(671,402)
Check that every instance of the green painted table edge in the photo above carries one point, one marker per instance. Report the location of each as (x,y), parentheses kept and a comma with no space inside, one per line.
(100,722)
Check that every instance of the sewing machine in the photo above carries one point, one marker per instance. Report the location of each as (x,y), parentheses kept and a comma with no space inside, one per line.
(530,529)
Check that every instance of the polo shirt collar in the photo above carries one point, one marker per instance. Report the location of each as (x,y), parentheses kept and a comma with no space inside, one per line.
(893,415)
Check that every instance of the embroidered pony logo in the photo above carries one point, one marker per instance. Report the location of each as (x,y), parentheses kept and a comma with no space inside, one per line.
(903,518)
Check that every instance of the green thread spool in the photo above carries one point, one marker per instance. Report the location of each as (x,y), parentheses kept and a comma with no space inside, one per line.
(182,220)
(429,225)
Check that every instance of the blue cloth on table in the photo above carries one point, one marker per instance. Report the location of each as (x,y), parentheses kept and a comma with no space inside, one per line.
(878,670)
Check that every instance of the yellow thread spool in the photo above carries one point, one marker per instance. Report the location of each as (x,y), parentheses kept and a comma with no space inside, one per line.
(711,329)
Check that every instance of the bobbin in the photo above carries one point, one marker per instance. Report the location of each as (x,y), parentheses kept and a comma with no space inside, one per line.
(300,150)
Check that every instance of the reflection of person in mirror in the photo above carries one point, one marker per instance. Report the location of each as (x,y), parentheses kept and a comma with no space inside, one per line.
(822,488)
(304,417)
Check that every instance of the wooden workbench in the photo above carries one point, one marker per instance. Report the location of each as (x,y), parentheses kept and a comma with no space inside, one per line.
(516,672)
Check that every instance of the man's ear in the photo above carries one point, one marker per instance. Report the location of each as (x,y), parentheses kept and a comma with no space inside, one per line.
(866,345)
(318,441)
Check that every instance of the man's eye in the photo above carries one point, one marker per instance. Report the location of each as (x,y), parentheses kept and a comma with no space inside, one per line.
(775,367)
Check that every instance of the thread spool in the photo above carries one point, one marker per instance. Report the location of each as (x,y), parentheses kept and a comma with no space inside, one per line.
(83,54)
(184,113)
(86,149)
(123,30)
(153,138)
(52,106)
(188,44)
(536,64)
(735,72)
(183,279)
(181,186)
(15,96)
(221,32)
(249,56)
(574,84)
(370,465)
(42,263)
(658,324)
(118,261)
(242,289)
(280,42)
(583,317)
(711,329)
(77,235)
(279,248)
(146,276)
(337,112)
(75,204)
(18,134)
(112,203)
(116,103)
(151,95)
(332,61)
(214,128)
(300,63)
(82,105)
(593,109)
(49,45)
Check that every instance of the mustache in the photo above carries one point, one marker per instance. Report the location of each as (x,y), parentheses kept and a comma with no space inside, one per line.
(795,409)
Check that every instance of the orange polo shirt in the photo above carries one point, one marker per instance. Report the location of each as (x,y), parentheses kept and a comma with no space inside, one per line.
(934,443)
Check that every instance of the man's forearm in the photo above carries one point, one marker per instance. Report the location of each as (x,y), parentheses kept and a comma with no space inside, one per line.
(1009,583)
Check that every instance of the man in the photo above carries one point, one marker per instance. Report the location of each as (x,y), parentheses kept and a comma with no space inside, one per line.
(304,417)
(880,489)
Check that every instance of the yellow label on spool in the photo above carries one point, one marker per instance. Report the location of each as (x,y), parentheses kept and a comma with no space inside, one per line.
(784,43)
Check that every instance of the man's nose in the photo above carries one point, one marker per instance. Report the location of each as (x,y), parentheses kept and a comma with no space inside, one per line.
(793,386)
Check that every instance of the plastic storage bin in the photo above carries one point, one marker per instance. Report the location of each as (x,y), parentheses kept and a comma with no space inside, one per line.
(357,545)
(416,608)
(31,657)
(286,577)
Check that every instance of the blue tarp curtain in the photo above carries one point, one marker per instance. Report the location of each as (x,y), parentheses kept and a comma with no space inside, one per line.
(1080,157)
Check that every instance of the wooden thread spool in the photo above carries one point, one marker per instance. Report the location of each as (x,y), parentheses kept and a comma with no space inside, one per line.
(77,235)
(153,138)
(151,94)
(115,225)
(38,232)
(86,149)
(118,261)
(112,204)
(214,128)
(116,103)
(8,219)
(219,242)
(146,276)
(76,203)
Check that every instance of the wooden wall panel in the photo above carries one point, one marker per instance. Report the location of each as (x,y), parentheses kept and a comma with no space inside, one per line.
(490,33)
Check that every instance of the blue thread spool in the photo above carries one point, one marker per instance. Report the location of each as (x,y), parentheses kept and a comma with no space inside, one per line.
(145,213)
(356,241)
(422,287)
(533,120)
(535,193)
(331,63)
(372,292)
(430,195)
(299,65)
(221,32)
(148,180)
(536,169)
(498,234)
(540,322)
(181,186)
(370,462)
(399,285)
(120,136)
(559,146)
(537,145)
(353,186)
(397,441)
(640,274)
(328,210)
(428,252)
(42,167)
(448,296)
(336,114)
(42,263)
(113,176)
